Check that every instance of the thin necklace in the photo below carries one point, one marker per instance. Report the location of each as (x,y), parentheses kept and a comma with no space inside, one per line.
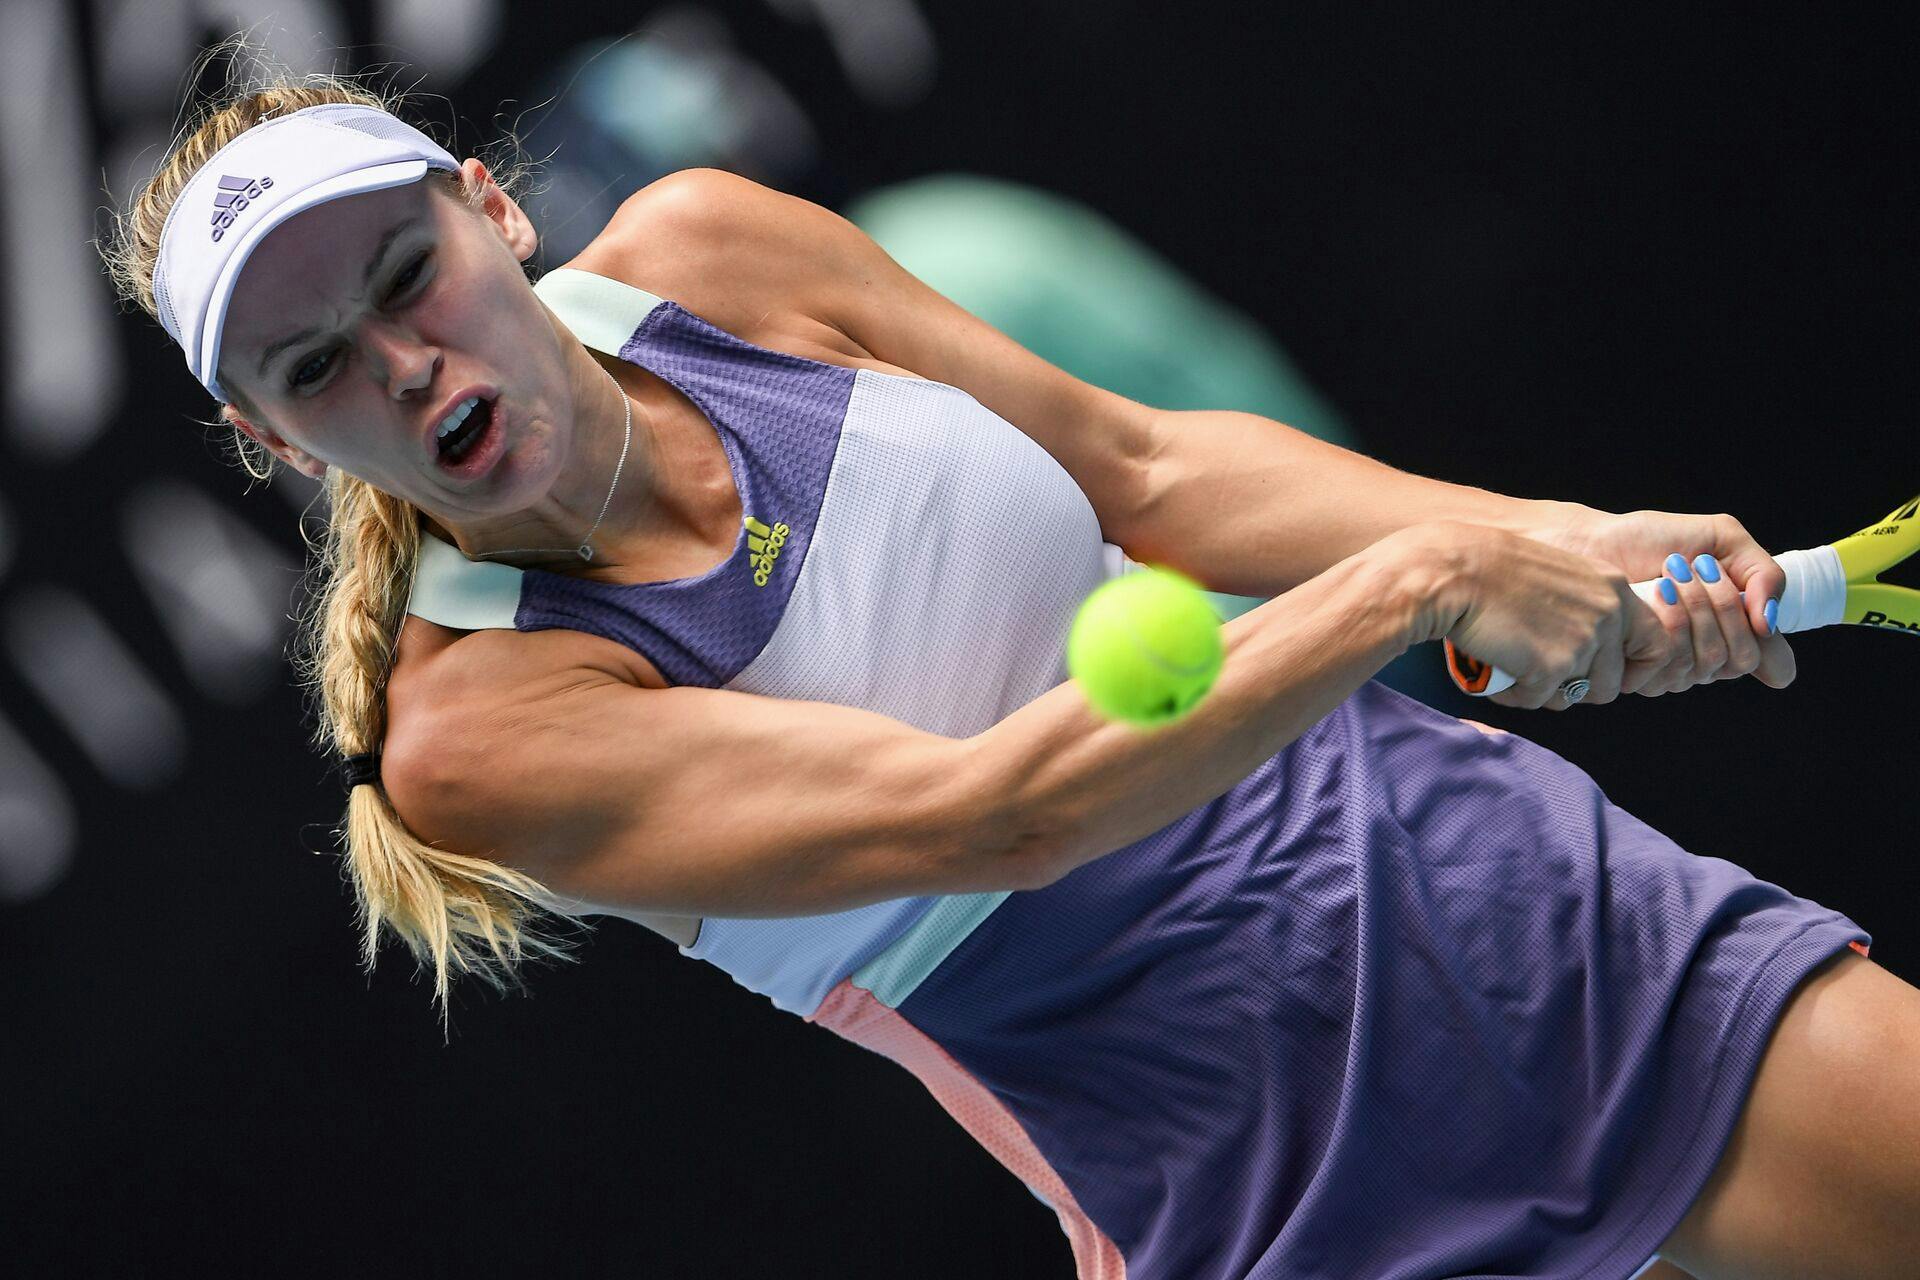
(585,549)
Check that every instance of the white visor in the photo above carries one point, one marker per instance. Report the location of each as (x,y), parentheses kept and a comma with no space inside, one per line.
(274,170)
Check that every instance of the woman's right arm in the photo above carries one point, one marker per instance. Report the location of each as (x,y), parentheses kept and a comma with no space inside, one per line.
(713,802)
(1535,609)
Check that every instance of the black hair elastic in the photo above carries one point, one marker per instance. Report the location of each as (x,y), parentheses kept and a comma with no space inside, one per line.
(355,770)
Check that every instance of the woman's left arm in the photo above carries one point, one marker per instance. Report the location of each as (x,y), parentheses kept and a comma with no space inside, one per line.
(1250,506)
(1237,502)
(1240,503)
(1246,502)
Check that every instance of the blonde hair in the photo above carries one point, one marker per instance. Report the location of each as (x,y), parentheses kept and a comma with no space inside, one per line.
(454,911)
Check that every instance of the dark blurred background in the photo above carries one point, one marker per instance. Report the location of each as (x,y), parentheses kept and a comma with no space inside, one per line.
(1636,260)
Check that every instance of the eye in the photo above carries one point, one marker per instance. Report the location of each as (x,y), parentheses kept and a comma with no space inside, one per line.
(408,276)
(318,365)
(312,369)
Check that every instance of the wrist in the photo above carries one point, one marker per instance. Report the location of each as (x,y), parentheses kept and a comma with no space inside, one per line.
(1423,577)
(1537,517)
(1571,526)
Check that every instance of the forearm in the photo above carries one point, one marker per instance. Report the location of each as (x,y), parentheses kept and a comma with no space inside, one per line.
(1076,786)
(1246,505)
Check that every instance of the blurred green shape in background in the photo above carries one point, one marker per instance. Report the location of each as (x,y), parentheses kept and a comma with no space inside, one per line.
(1082,294)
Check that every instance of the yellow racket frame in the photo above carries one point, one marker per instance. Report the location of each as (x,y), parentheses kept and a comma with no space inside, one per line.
(1871,552)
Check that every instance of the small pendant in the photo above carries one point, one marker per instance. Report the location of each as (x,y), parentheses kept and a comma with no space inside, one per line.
(586,551)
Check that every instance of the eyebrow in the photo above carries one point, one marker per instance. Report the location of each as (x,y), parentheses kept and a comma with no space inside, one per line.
(373,268)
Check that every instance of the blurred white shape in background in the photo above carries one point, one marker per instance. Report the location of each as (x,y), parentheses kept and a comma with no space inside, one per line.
(143,46)
(95,685)
(673,94)
(221,589)
(885,46)
(668,95)
(443,37)
(63,368)
(301,33)
(36,821)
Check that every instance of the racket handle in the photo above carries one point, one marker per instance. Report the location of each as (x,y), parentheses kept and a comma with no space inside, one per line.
(1815,596)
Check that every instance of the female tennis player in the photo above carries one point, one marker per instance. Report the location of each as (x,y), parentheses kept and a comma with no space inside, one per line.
(720,581)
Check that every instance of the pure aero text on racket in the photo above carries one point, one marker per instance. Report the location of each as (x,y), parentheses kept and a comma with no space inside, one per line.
(1826,586)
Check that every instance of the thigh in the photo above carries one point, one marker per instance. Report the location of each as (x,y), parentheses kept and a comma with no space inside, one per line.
(1822,1174)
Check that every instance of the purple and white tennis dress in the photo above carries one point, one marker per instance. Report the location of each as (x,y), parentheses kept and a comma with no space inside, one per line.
(1411,1000)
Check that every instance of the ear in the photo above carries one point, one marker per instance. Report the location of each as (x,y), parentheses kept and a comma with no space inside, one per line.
(501,209)
(299,459)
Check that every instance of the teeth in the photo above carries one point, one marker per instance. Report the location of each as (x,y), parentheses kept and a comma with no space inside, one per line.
(458,416)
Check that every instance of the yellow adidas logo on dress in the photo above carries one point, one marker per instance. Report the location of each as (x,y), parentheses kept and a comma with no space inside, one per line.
(763,548)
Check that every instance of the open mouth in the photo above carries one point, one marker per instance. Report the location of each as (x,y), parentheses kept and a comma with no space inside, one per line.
(464,449)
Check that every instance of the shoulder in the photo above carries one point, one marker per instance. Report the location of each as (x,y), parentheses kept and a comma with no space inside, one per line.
(739,254)
(453,688)
(787,273)
(698,198)
(724,220)
(443,676)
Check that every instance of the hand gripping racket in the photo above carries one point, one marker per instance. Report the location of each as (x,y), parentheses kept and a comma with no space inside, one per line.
(1826,586)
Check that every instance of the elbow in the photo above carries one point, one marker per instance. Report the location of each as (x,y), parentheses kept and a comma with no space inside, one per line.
(416,786)
(1016,857)
(1041,863)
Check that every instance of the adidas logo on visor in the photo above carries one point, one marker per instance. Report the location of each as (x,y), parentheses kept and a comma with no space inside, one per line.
(234,195)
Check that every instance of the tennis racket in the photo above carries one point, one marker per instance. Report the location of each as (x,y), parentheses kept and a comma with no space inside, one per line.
(1828,585)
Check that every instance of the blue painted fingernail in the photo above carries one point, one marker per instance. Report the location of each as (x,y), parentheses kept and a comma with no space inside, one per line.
(1707,567)
(1773,617)
(1669,592)
(1677,566)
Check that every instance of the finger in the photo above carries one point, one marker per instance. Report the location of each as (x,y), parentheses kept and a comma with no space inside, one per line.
(1777,666)
(1730,617)
(1751,569)
(1590,663)
(1676,671)
(1648,647)
(1553,697)
(1530,695)
(1709,650)
(1678,674)
(1609,662)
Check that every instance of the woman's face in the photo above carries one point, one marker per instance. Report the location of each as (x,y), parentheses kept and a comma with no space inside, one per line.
(359,324)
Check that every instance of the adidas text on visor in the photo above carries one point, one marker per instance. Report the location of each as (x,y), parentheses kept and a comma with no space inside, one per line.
(279,167)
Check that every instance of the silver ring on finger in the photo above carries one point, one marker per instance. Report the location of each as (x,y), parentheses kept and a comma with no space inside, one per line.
(1575,689)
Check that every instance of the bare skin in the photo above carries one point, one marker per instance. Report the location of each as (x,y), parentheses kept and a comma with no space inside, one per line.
(449,309)
(1822,1175)
(1816,1180)
(447,312)
(1819,1178)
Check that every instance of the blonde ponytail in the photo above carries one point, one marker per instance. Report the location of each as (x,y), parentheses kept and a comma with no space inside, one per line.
(455,912)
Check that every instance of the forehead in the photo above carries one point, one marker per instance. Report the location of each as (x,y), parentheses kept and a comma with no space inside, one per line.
(309,267)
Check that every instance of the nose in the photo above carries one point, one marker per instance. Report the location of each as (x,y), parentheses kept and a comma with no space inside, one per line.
(406,363)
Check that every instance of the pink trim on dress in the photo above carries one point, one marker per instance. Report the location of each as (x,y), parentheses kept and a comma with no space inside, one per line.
(853,1013)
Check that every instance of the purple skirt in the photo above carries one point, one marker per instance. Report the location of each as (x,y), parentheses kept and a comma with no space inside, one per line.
(1411,1000)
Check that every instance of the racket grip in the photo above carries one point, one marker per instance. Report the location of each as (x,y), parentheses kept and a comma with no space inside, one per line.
(1815,595)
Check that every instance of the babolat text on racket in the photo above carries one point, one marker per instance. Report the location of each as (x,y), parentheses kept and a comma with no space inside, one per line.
(1826,586)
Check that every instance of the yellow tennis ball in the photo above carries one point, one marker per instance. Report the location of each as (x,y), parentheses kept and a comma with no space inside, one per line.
(1145,646)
